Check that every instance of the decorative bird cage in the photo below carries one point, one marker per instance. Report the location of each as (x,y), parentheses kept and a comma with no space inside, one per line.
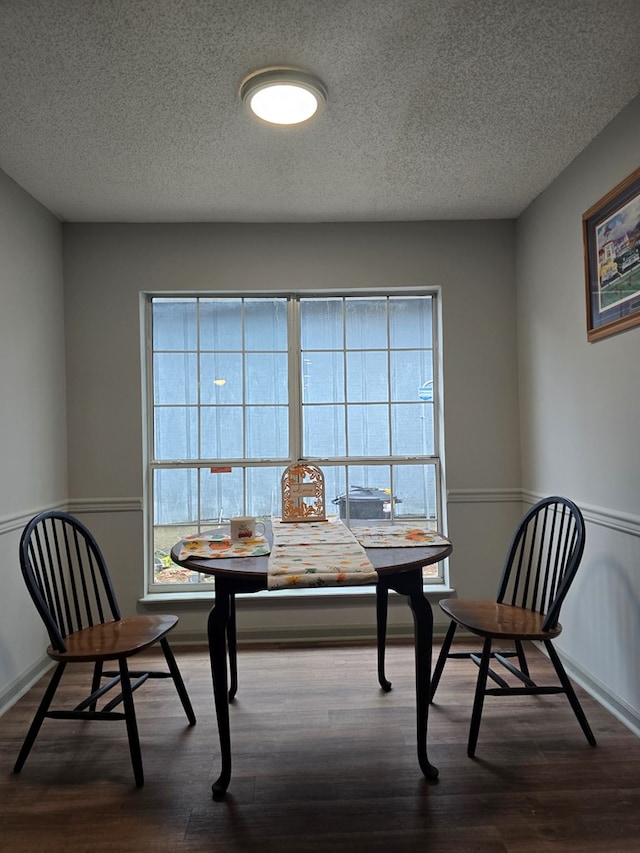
(303,493)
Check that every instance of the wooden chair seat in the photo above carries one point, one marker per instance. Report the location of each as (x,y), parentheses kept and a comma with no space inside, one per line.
(115,639)
(500,621)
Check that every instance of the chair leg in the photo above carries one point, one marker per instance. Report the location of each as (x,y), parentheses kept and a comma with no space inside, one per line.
(95,684)
(478,701)
(571,694)
(177,680)
(41,713)
(132,726)
(522,659)
(442,658)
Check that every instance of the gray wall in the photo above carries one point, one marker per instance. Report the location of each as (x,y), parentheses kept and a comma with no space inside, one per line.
(580,414)
(33,450)
(106,267)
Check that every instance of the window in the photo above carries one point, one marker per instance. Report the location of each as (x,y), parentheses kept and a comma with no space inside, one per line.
(241,387)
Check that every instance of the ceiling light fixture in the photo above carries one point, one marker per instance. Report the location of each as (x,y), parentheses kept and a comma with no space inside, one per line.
(283,96)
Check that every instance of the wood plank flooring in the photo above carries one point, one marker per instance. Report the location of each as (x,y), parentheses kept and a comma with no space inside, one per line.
(324,761)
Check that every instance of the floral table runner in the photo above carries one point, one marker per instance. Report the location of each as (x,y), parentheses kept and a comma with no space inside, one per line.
(316,554)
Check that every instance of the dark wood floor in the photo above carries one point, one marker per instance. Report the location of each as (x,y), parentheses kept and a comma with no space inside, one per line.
(323,760)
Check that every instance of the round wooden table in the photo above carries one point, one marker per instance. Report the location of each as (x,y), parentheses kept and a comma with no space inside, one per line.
(398,569)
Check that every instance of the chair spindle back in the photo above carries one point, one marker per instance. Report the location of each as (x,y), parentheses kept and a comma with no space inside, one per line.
(66,575)
(543,558)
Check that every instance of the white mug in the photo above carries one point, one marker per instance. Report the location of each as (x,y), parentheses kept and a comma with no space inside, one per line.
(245,527)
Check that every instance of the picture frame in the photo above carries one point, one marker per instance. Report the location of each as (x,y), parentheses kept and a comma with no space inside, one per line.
(611,236)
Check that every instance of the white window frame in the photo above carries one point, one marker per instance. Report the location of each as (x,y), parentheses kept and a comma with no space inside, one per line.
(295,417)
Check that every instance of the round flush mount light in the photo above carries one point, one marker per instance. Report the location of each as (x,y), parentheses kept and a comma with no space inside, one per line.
(283,96)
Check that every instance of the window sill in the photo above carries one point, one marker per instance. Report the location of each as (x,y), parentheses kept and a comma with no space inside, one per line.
(432,591)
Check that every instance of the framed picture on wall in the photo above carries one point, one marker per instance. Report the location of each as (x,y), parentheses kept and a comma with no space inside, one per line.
(611,232)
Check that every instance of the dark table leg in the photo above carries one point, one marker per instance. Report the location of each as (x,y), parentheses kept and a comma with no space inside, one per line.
(410,584)
(221,629)
(382,597)
(217,631)
(233,649)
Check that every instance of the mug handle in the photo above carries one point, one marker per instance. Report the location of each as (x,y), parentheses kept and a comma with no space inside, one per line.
(258,532)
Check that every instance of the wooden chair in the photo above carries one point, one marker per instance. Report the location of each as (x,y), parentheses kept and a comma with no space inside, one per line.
(69,582)
(541,564)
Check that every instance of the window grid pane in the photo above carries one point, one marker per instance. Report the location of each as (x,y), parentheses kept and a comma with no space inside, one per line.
(221,425)
(381,365)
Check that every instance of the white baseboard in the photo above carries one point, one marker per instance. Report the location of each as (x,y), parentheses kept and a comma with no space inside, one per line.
(23,683)
(627,715)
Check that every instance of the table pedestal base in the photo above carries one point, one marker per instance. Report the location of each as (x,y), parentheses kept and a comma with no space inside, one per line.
(221,630)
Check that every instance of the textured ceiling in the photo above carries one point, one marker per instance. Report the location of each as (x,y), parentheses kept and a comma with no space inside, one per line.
(128,110)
